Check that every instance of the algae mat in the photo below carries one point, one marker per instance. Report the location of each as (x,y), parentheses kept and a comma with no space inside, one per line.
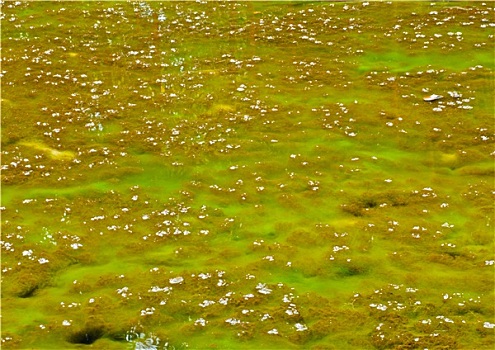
(247,175)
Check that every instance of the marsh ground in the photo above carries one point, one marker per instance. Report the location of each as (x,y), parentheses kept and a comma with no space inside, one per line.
(247,175)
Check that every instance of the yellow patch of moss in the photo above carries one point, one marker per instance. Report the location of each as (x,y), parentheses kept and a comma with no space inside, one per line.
(50,152)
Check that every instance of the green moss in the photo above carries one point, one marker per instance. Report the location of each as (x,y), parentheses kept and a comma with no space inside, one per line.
(270,165)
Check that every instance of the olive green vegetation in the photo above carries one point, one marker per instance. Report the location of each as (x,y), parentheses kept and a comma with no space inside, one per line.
(252,175)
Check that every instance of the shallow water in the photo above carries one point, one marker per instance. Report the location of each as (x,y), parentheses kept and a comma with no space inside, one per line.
(247,175)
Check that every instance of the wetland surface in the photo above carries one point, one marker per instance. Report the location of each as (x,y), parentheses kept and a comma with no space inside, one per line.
(247,175)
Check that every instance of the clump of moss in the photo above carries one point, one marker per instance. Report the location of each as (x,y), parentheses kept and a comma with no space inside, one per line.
(354,209)
(26,285)
(361,205)
(302,238)
(477,170)
(352,269)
